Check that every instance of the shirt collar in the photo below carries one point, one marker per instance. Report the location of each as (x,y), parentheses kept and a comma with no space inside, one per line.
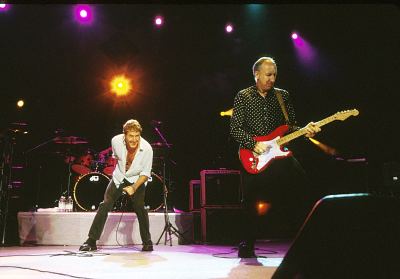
(255,91)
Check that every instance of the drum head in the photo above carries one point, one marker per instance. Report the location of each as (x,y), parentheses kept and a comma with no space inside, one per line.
(89,190)
(154,193)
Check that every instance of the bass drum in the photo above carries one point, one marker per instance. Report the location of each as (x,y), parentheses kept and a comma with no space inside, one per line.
(153,199)
(89,190)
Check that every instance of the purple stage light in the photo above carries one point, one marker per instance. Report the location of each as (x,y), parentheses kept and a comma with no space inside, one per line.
(4,7)
(158,20)
(295,36)
(83,14)
(305,51)
(228,28)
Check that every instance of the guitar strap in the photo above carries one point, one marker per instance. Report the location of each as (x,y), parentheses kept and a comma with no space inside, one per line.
(280,100)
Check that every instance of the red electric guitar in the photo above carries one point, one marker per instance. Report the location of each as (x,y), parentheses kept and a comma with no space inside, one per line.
(255,163)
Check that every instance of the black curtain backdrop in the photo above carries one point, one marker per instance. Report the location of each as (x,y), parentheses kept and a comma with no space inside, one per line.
(188,71)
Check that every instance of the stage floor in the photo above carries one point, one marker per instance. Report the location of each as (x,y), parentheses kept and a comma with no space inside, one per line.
(166,262)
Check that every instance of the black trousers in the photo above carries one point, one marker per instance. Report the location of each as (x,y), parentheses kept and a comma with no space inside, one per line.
(284,186)
(111,194)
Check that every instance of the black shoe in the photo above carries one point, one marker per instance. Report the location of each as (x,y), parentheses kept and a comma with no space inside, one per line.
(147,247)
(88,246)
(246,250)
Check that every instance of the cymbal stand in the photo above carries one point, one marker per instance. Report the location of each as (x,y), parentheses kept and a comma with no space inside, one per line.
(169,229)
(26,153)
(162,137)
(69,172)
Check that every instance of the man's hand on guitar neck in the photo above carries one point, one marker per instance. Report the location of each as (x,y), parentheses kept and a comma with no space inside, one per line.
(311,129)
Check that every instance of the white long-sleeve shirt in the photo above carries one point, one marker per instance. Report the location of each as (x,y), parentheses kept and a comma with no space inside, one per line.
(141,164)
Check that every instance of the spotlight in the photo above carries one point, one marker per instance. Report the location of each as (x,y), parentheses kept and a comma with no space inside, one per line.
(20,103)
(295,36)
(4,7)
(158,20)
(83,14)
(262,207)
(120,85)
(228,28)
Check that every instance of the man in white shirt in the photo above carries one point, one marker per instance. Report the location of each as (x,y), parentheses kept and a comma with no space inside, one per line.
(134,157)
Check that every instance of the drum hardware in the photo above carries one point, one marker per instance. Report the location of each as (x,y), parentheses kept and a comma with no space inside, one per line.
(65,146)
(70,140)
(108,161)
(83,164)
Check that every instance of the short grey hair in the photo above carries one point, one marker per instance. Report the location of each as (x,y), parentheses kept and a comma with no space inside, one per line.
(260,61)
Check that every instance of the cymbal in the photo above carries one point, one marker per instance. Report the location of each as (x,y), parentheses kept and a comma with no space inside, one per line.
(70,140)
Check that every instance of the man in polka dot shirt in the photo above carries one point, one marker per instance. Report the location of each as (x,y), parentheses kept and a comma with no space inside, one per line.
(283,185)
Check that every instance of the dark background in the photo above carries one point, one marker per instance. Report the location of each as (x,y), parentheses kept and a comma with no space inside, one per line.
(188,71)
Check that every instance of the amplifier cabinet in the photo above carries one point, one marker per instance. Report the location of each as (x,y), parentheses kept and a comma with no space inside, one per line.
(220,187)
(194,194)
(221,225)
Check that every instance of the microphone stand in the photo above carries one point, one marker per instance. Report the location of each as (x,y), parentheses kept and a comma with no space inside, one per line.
(169,229)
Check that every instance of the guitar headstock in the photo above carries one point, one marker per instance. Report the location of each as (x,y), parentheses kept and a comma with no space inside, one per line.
(343,115)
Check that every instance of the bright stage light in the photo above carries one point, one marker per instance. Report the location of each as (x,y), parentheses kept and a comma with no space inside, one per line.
(305,52)
(4,7)
(120,85)
(83,14)
(262,207)
(158,20)
(229,28)
(20,103)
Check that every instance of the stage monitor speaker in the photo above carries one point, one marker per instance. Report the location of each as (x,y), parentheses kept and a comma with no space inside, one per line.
(346,236)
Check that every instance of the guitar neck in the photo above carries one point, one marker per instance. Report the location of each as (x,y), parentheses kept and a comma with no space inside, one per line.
(303,131)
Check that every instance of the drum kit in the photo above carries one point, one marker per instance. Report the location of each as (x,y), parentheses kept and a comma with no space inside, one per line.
(91,172)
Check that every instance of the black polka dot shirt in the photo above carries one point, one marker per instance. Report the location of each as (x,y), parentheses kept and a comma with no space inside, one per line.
(254,115)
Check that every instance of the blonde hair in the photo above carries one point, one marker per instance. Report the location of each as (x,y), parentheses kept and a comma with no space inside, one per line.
(132,125)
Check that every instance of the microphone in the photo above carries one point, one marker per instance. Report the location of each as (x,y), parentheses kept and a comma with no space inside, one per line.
(124,184)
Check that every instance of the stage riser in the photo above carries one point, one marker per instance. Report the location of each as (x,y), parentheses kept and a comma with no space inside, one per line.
(71,228)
